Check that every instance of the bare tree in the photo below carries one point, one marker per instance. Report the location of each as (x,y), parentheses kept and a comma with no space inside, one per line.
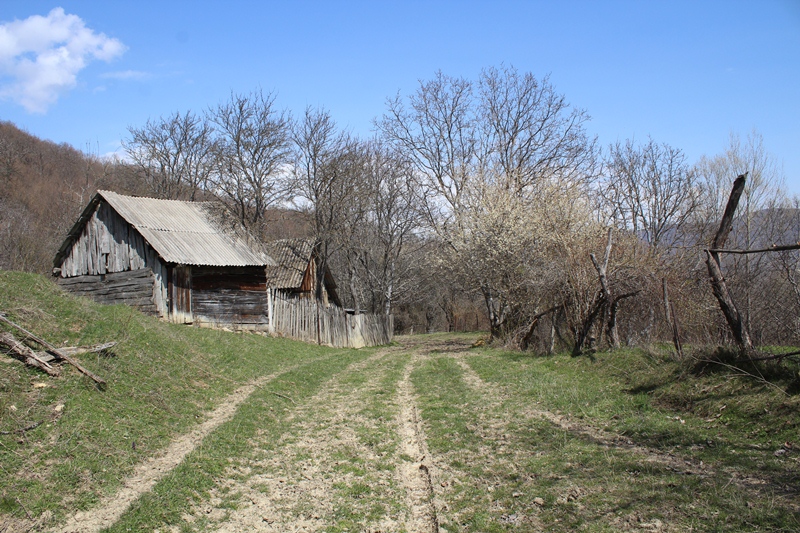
(253,152)
(383,244)
(437,132)
(650,190)
(326,179)
(173,154)
(784,292)
(482,154)
(529,131)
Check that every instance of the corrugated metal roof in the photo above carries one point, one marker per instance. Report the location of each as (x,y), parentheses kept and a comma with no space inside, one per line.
(165,215)
(184,232)
(292,257)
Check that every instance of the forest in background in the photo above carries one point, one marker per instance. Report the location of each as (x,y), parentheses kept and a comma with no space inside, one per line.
(477,204)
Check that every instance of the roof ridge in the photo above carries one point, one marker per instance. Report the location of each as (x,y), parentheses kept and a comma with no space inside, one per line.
(104,192)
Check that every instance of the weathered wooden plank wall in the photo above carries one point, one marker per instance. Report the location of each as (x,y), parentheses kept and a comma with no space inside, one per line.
(180,292)
(134,288)
(304,319)
(230,296)
(108,244)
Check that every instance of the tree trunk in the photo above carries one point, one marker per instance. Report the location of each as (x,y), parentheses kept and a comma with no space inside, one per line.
(729,310)
(586,327)
(676,333)
(672,320)
(525,342)
(735,322)
(353,291)
(495,318)
(613,335)
(605,290)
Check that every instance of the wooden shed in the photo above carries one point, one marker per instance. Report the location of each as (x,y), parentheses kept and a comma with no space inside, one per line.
(177,260)
(294,274)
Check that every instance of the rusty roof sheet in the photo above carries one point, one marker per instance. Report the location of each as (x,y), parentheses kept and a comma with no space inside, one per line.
(182,232)
(292,257)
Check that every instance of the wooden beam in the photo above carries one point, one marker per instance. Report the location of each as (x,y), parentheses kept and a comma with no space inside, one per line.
(773,248)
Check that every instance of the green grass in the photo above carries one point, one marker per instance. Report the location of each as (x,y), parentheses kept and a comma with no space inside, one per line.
(588,485)
(162,379)
(497,465)
(660,403)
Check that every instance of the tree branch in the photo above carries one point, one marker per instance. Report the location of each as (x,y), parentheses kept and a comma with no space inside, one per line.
(773,248)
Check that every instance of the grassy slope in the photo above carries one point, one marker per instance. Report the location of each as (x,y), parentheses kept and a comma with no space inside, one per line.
(730,423)
(162,378)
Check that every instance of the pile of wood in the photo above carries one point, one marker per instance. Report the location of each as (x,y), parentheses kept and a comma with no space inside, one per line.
(47,358)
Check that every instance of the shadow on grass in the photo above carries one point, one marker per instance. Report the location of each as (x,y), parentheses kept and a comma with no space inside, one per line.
(723,360)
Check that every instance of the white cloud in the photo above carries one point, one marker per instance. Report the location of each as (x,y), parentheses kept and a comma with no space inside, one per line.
(40,57)
(136,75)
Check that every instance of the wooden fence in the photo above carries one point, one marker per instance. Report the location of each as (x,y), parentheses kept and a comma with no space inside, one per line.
(306,320)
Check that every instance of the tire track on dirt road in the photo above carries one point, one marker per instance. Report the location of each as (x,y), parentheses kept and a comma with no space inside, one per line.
(415,475)
(147,474)
(468,469)
(317,471)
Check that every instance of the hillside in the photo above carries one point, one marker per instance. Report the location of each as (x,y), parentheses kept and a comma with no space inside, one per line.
(43,188)
(161,380)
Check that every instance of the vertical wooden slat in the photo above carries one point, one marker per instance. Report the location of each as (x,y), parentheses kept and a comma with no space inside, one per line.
(297,318)
(181,294)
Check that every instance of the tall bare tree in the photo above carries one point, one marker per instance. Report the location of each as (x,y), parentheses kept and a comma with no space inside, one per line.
(174,155)
(253,152)
(437,132)
(384,245)
(529,132)
(327,167)
(505,138)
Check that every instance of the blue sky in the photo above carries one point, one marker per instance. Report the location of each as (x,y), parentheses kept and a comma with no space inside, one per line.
(687,73)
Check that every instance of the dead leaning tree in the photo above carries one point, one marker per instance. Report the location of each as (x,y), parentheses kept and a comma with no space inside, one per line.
(734,319)
(718,286)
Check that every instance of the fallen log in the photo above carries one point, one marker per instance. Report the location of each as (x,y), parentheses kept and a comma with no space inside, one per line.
(75,350)
(53,350)
(46,357)
(27,355)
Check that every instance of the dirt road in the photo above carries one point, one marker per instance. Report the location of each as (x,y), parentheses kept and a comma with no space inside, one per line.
(410,438)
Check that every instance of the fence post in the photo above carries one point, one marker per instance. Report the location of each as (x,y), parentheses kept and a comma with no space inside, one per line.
(270,322)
